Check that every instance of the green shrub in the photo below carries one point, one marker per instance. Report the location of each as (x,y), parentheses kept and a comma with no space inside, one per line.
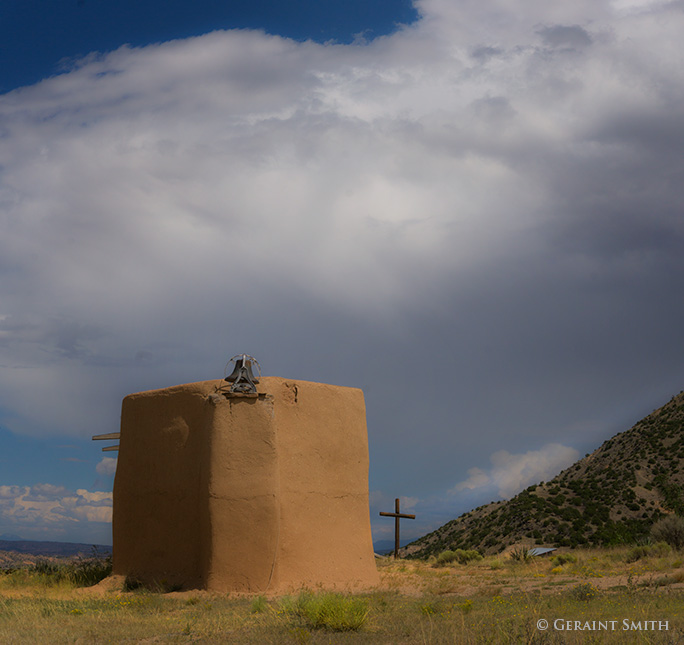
(83,572)
(330,611)
(86,572)
(462,556)
(445,557)
(661,549)
(467,555)
(638,552)
(562,558)
(583,591)
(670,530)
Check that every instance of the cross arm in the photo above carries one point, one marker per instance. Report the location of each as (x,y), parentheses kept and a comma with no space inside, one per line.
(405,515)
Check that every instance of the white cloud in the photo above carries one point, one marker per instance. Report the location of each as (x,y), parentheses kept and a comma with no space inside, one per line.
(477,478)
(511,473)
(636,5)
(407,503)
(47,511)
(10,492)
(106,467)
(95,497)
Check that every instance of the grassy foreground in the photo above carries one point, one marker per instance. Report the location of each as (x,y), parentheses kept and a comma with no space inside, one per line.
(494,600)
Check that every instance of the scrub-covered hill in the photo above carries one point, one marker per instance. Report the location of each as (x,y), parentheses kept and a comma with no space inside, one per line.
(612,496)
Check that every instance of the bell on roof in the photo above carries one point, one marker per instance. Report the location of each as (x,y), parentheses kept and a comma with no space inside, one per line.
(242,377)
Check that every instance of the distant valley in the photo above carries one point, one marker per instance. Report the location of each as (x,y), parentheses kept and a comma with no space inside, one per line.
(16,552)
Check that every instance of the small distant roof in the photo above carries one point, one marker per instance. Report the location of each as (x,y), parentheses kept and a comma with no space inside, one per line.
(541,550)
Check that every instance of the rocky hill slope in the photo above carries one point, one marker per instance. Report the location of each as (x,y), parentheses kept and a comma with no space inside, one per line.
(612,496)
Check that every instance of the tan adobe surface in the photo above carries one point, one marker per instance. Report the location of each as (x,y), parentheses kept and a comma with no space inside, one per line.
(260,495)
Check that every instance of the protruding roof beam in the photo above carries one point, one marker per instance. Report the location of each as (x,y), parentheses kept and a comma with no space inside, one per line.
(108,437)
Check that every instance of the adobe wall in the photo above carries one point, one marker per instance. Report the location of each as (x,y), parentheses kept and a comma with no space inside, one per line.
(159,505)
(243,494)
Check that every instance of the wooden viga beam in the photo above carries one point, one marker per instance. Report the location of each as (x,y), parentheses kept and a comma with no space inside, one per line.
(108,437)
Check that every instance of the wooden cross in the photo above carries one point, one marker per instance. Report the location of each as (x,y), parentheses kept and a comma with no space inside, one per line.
(396,515)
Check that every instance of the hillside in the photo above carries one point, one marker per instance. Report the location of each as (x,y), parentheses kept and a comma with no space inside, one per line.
(612,496)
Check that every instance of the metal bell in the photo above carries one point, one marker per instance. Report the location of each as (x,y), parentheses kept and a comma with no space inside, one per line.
(242,378)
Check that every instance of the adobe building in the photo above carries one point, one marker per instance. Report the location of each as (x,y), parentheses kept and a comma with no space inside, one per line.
(261,491)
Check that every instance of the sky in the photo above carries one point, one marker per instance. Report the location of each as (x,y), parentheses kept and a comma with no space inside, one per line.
(473,211)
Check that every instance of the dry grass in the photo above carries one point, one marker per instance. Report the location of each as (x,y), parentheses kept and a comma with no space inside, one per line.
(491,601)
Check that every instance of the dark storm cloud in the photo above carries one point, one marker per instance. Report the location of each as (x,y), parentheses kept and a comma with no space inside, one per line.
(476,220)
(573,36)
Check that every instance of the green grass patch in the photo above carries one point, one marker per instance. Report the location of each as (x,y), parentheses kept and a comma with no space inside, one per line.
(329,611)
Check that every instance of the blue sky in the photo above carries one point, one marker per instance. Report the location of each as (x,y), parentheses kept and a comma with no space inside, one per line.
(40,39)
(470,210)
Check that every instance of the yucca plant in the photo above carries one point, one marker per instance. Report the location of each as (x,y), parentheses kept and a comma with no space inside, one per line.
(521,554)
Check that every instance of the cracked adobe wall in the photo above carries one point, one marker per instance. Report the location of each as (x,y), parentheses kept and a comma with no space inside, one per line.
(240,494)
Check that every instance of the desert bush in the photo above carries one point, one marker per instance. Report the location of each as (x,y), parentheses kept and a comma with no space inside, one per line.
(562,558)
(445,557)
(48,569)
(670,530)
(637,552)
(663,581)
(583,591)
(462,556)
(661,549)
(86,572)
(83,572)
(330,611)
(658,550)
